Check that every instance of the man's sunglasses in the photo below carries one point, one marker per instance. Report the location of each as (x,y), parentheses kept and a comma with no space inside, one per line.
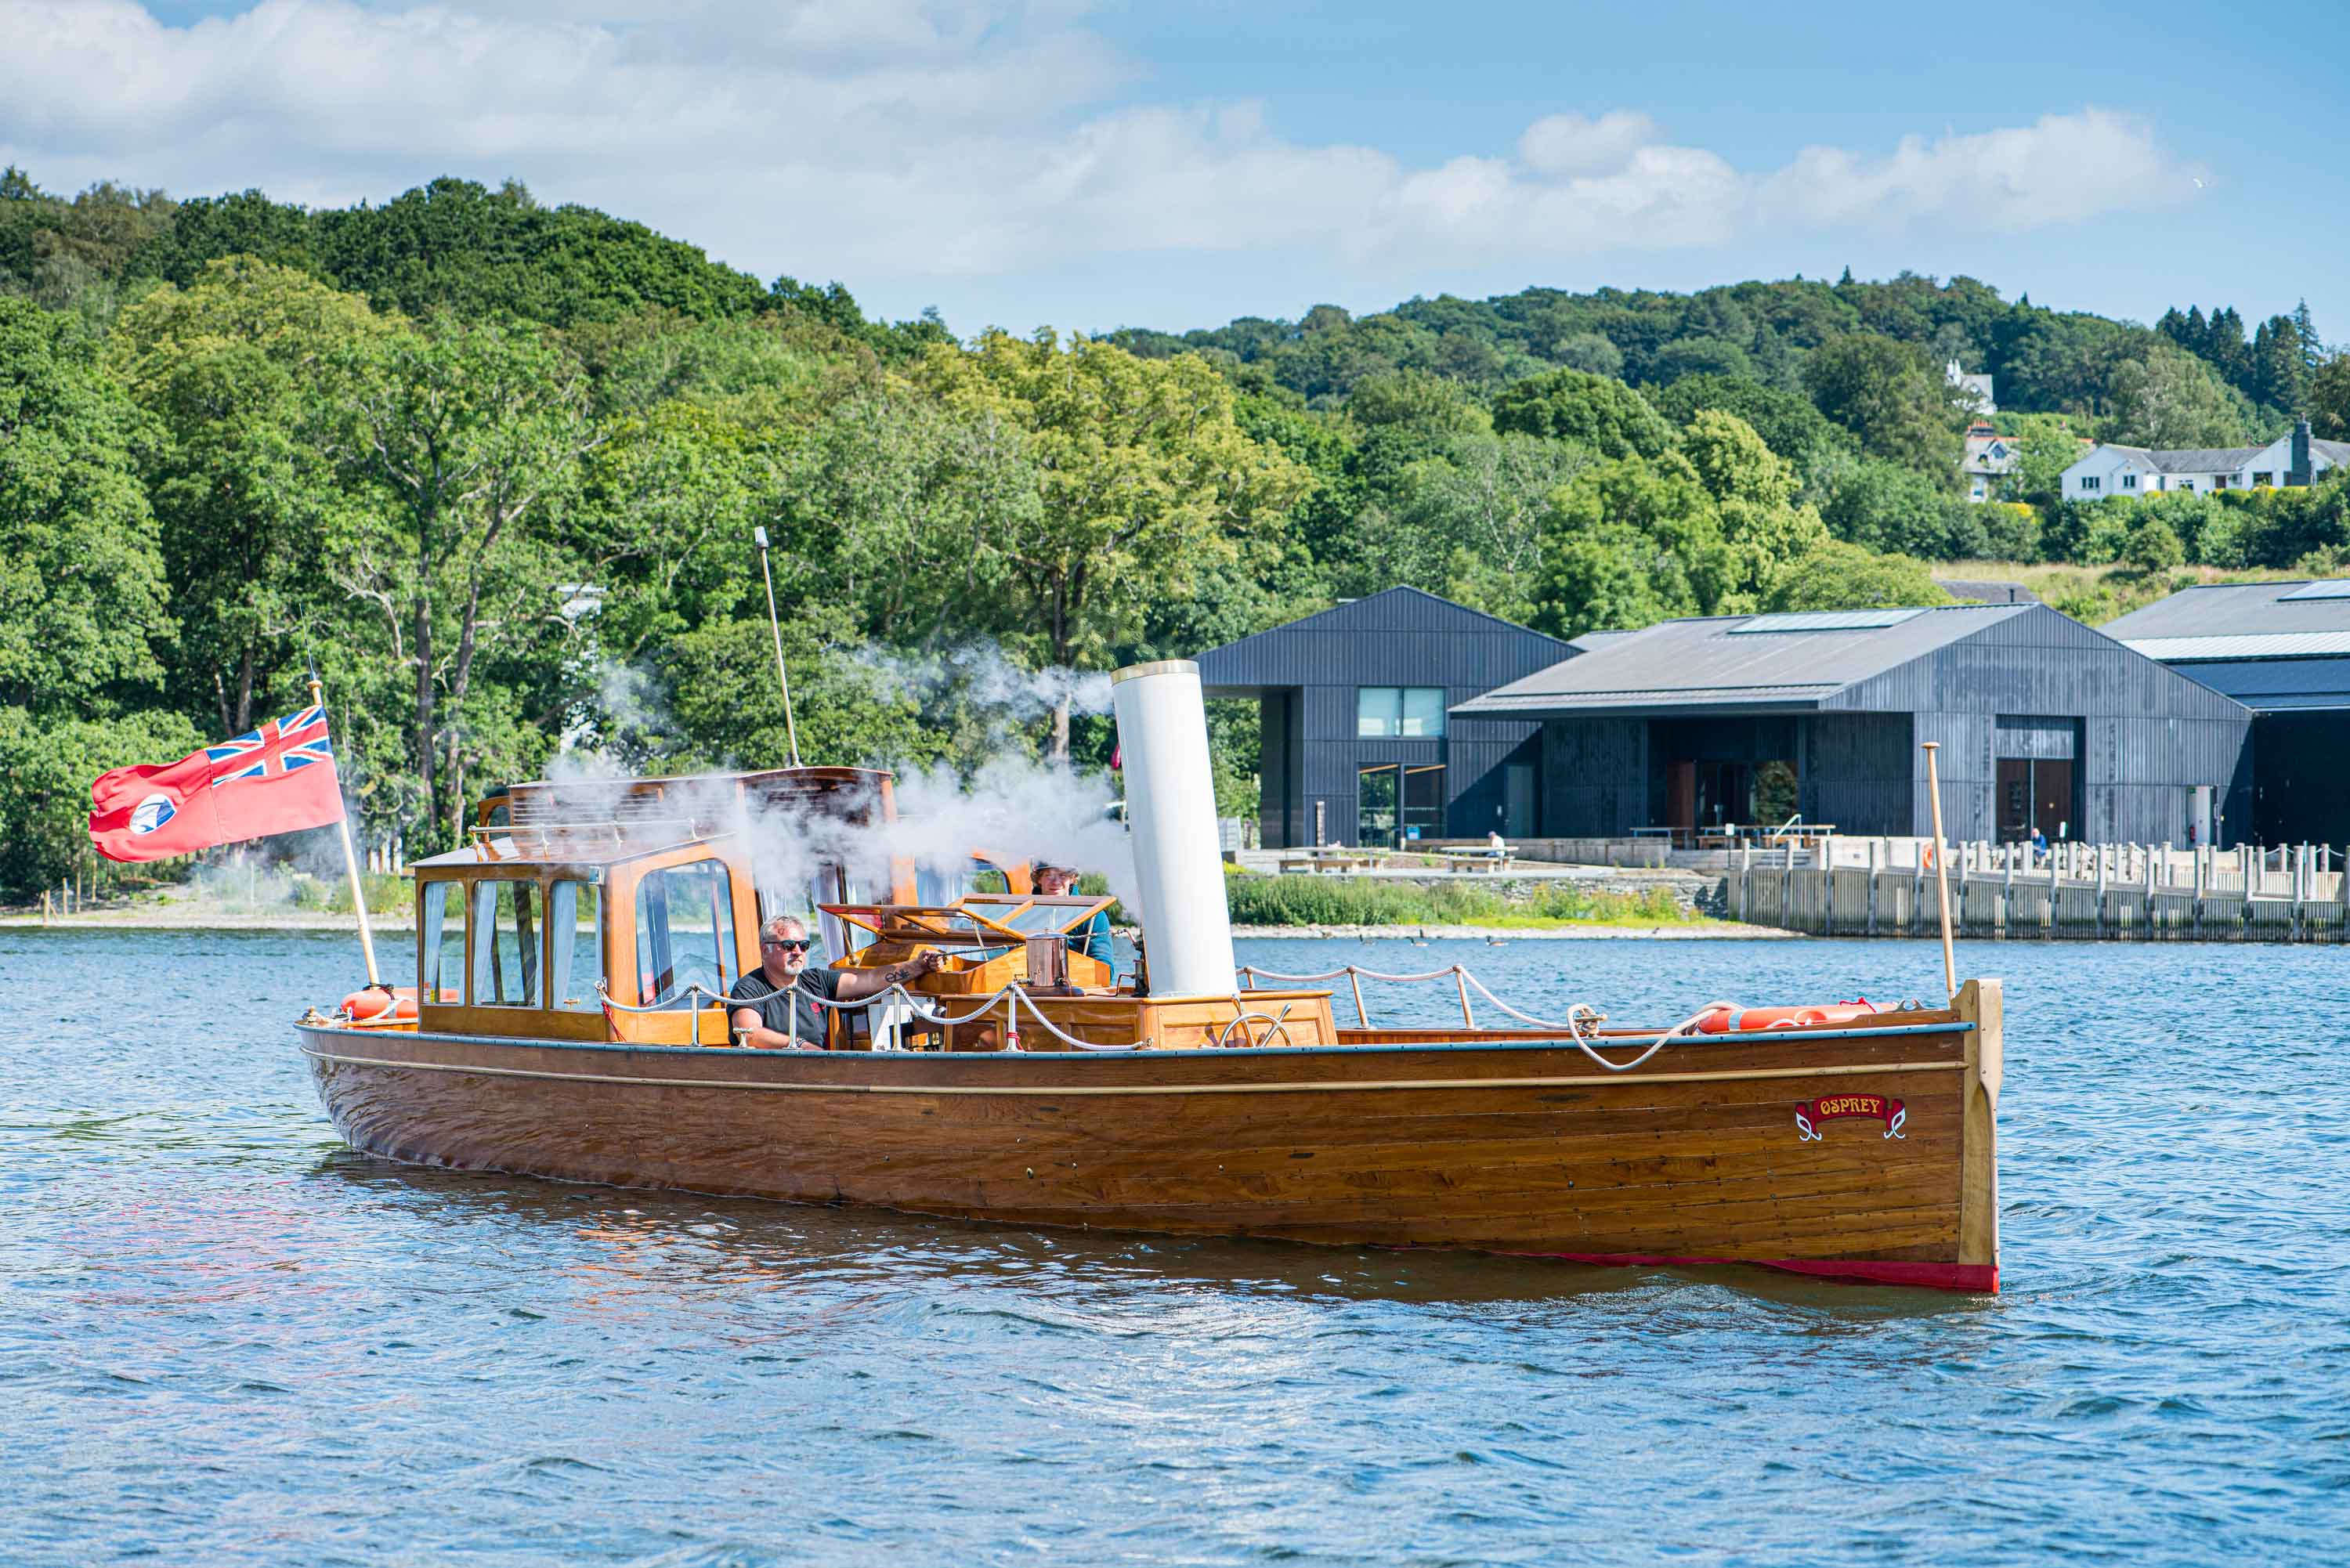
(792,944)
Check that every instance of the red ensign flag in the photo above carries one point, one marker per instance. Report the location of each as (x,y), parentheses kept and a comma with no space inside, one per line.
(279,778)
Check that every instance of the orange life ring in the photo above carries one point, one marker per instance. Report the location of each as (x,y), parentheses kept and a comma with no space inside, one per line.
(376,1006)
(1744,1020)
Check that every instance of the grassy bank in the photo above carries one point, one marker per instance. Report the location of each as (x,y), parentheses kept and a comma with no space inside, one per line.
(1257,900)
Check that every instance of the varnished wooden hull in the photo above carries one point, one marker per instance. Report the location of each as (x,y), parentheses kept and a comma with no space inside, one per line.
(1520,1146)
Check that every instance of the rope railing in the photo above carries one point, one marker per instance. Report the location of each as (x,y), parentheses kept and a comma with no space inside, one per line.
(1580,1025)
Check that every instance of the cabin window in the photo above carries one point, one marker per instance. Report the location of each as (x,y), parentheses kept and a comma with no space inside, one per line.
(506,944)
(986,877)
(2088,482)
(574,931)
(440,942)
(2264,476)
(685,932)
(2129,482)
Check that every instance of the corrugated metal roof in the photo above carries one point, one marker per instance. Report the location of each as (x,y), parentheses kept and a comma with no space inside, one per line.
(2232,610)
(1702,663)
(2269,684)
(2273,644)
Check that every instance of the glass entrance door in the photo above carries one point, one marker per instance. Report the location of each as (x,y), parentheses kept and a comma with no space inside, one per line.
(1376,799)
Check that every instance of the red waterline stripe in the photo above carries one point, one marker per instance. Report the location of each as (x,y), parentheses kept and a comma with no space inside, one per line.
(1976,1279)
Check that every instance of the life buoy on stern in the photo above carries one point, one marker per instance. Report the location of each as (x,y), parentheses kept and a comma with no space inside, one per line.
(1742,1020)
(376,1006)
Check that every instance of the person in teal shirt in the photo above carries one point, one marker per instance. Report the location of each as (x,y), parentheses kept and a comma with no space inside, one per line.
(1093,938)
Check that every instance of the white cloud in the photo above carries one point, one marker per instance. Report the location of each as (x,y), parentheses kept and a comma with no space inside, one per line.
(1570,144)
(935,139)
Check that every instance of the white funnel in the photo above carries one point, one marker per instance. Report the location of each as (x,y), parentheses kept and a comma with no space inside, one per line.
(1171,809)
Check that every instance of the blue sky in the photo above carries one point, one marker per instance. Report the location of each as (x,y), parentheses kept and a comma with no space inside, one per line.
(1122,163)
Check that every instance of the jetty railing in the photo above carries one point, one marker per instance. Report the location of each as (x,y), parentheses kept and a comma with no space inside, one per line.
(1852,887)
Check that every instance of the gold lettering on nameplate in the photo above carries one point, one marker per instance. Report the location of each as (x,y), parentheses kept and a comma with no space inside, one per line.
(1810,1114)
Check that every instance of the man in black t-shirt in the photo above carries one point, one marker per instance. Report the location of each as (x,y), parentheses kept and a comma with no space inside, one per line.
(776,1012)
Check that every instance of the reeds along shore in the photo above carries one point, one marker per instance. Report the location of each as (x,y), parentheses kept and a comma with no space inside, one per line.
(2078,892)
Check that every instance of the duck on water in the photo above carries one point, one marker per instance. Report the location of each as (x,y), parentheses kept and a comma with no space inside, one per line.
(569,1021)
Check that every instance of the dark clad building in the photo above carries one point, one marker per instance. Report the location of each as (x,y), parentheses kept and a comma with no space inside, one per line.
(2042,723)
(1360,745)
(2281,650)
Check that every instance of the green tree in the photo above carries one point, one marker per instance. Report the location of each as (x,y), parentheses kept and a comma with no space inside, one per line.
(1753,492)
(1143,478)
(1894,401)
(82,595)
(228,367)
(2153,548)
(1788,422)
(1465,525)
(2329,397)
(1593,411)
(1839,576)
(1633,542)
(82,587)
(455,446)
(2164,396)
(1884,506)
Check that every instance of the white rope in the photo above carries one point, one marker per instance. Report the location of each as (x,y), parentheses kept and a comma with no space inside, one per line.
(1581,1016)
(1333,974)
(1580,1025)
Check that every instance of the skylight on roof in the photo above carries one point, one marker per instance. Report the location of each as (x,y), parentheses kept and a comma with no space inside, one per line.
(2333,589)
(1824,620)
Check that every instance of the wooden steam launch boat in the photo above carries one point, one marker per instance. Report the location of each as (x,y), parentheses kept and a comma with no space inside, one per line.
(569,961)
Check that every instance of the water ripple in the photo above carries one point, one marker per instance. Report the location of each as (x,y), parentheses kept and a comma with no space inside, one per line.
(225,1336)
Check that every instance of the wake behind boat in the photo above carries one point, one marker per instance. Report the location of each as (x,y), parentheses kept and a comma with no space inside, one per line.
(570,1021)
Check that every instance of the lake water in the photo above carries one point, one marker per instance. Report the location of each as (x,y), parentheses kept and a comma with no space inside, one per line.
(225,1337)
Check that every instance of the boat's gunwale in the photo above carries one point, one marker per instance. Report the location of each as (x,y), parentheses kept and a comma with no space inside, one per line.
(1562,1041)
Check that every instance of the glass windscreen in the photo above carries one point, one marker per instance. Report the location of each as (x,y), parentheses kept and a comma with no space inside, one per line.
(575,930)
(506,944)
(685,932)
(441,942)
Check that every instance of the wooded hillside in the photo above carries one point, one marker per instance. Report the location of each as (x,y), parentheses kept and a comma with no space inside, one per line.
(495,466)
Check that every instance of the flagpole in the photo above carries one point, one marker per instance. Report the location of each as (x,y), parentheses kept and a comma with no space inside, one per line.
(791,731)
(350,859)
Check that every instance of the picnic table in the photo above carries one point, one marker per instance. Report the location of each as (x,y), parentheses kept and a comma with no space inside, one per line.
(1332,858)
(1473,859)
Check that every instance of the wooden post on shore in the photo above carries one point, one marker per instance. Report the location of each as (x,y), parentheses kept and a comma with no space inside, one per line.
(2150,892)
(2104,862)
(2007,893)
(1917,889)
(1876,860)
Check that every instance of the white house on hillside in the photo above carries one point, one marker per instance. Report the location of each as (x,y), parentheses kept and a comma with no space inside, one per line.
(1975,391)
(2134,470)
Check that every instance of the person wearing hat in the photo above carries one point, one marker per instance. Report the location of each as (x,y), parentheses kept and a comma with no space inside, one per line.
(1093,938)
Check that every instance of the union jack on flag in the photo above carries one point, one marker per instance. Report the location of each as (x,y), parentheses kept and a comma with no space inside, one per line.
(297,740)
(284,779)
